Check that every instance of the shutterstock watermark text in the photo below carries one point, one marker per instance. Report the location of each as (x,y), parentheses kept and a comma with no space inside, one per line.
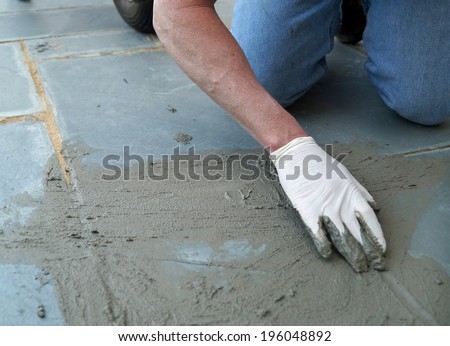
(192,166)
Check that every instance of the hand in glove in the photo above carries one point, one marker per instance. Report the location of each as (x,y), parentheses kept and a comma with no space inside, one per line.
(331,201)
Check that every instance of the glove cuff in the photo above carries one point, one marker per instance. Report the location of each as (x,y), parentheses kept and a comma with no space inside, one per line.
(300,141)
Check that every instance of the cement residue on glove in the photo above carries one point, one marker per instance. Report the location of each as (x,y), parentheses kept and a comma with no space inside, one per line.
(331,202)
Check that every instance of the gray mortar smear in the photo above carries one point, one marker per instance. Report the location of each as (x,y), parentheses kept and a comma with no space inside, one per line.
(227,252)
(182,138)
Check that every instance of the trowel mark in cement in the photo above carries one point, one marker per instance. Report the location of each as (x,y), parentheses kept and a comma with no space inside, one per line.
(191,257)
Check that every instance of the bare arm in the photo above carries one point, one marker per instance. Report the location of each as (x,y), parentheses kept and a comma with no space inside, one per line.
(202,45)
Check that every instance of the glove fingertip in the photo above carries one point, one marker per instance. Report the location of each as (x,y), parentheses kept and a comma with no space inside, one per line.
(373,231)
(347,245)
(373,205)
(323,247)
(320,239)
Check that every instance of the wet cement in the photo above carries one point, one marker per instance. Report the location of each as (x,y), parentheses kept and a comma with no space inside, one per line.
(227,252)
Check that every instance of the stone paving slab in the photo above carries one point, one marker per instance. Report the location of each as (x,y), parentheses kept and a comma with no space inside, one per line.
(225,10)
(24,153)
(432,235)
(140,100)
(25,25)
(18,95)
(24,289)
(103,42)
(352,110)
(38,5)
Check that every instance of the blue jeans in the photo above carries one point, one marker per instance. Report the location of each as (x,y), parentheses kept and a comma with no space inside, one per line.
(407,42)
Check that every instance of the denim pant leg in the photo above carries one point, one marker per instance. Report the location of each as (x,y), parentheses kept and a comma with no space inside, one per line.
(286,42)
(409,56)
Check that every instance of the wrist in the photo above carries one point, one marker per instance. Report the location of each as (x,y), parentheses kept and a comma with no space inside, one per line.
(295,143)
(279,141)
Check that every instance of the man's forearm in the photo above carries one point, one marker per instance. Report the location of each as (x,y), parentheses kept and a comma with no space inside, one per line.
(201,44)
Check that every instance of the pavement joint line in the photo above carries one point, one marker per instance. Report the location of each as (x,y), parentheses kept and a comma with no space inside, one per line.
(47,115)
(69,34)
(19,118)
(421,151)
(152,38)
(100,54)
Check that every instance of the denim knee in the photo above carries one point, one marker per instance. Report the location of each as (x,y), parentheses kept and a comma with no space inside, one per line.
(280,94)
(285,43)
(425,107)
(269,78)
(407,57)
(283,90)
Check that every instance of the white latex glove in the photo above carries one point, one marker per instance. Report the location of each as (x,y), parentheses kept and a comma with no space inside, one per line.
(331,201)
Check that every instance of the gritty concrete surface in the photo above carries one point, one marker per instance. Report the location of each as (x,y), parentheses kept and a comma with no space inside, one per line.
(88,249)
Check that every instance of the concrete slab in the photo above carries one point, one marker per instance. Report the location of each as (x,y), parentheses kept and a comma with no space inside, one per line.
(26,292)
(18,95)
(140,100)
(99,43)
(24,152)
(344,107)
(36,5)
(33,24)
(225,10)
